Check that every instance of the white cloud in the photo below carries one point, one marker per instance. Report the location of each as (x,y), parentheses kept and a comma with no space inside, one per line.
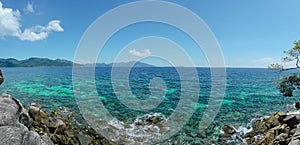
(29,8)
(266,61)
(10,25)
(54,26)
(9,21)
(135,52)
(40,32)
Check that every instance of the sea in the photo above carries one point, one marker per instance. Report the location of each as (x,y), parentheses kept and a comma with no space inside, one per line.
(248,93)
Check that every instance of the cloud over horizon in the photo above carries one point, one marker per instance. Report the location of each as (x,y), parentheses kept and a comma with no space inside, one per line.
(144,53)
(266,61)
(10,25)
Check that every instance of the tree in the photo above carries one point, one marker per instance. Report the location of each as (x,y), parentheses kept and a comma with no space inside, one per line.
(293,55)
(287,84)
(276,66)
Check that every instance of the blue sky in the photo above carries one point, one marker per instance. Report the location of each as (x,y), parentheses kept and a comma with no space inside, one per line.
(250,33)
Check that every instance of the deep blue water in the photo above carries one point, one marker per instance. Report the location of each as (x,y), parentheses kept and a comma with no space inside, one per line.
(250,92)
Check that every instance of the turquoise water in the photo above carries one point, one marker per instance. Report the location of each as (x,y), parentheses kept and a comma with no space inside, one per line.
(249,93)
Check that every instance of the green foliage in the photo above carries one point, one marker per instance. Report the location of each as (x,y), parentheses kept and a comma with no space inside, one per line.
(34,62)
(276,66)
(293,54)
(288,84)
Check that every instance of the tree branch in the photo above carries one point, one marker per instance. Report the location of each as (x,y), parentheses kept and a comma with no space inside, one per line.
(287,69)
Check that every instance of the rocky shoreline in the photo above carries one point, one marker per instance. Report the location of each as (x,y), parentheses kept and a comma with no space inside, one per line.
(278,129)
(31,125)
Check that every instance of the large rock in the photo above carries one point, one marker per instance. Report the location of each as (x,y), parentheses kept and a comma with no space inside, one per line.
(227,129)
(270,136)
(37,113)
(290,120)
(273,121)
(296,137)
(275,129)
(62,128)
(12,131)
(9,109)
(57,126)
(258,127)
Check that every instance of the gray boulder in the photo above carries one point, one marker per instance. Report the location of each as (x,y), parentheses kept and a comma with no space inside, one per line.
(12,131)
(296,137)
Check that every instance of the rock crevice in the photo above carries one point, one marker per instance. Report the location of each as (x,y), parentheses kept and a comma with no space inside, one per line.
(12,131)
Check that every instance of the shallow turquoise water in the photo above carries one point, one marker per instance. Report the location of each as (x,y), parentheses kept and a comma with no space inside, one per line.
(249,93)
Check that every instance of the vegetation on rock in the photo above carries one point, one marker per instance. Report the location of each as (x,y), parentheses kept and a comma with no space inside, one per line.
(34,62)
(287,84)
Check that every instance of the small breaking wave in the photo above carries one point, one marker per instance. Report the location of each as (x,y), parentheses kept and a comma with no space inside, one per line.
(145,129)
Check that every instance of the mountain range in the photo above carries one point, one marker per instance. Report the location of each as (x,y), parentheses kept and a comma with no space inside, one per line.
(46,62)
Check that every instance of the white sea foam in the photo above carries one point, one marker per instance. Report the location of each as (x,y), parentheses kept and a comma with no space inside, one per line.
(142,130)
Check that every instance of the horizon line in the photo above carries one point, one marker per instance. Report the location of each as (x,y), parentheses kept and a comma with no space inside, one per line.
(131,61)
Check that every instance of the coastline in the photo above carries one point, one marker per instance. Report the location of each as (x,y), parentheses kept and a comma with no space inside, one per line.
(280,128)
(31,125)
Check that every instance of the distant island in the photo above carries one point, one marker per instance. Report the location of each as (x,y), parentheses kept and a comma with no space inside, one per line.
(34,62)
(46,62)
(120,64)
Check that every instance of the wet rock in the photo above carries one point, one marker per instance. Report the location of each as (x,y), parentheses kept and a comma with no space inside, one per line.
(57,126)
(258,127)
(153,119)
(290,120)
(273,121)
(229,129)
(1,77)
(297,105)
(36,112)
(270,136)
(230,136)
(281,115)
